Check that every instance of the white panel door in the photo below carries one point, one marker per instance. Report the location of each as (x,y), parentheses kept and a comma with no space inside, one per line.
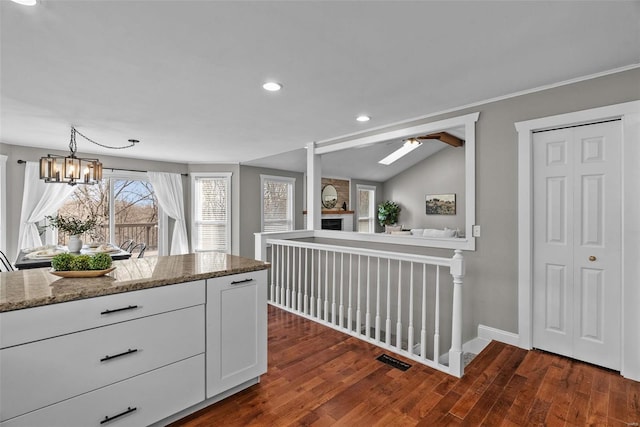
(577,242)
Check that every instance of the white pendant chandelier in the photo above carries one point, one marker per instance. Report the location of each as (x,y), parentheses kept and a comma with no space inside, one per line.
(71,169)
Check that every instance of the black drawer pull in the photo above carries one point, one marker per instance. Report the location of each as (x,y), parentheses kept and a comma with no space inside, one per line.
(128,411)
(131,307)
(237,282)
(124,353)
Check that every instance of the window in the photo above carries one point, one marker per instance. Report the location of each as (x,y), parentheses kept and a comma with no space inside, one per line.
(126,208)
(366,208)
(277,203)
(211,207)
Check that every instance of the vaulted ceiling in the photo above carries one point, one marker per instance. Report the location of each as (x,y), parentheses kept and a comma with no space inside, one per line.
(185,77)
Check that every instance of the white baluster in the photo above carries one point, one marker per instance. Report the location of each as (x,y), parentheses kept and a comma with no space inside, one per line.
(293,279)
(436,335)
(341,314)
(350,308)
(299,305)
(410,329)
(306,281)
(367,316)
(387,333)
(399,318)
(326,287)
(378,302)
(287,296)
(423,331)
(319,305)
(333,292)
(312,300)
(358,304)
(279,274)
(273,274)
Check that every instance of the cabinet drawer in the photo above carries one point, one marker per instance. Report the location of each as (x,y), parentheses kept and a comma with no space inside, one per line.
(142,400)
(44,372)
(32,324)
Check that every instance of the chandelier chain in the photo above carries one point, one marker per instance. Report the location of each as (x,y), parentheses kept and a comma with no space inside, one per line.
(73,139)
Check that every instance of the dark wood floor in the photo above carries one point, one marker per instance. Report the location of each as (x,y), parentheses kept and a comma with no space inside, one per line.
(320,377)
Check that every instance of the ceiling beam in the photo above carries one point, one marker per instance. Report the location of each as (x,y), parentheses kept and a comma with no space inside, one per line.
(445,137)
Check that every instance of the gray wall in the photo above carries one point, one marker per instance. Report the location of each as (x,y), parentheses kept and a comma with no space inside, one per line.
(250,210)
(442,173)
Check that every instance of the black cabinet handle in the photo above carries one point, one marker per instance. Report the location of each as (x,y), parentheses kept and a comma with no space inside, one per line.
(128,411)
(124,353)
(237,282)
(131,307)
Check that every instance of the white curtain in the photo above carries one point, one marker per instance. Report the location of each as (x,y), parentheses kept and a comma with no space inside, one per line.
(39,200)
(168,189)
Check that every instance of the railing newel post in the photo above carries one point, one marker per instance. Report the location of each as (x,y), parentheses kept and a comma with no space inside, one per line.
(456,366)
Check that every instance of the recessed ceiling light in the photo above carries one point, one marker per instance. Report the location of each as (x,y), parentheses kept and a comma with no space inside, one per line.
(26,2)
(363,118)
(272,86)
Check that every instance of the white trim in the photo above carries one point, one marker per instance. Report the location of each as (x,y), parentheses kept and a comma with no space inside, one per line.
(3,203)
(489,333)
(292,196)
(227,177)
(629,112)
(468,121)
(399,133)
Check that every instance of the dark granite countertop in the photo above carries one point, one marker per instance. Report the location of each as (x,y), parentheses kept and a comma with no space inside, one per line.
(37,287)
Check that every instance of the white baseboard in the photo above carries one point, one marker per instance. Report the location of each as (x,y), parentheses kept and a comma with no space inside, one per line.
(489,333)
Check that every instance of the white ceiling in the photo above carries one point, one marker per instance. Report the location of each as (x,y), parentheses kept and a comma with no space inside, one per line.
(185,77)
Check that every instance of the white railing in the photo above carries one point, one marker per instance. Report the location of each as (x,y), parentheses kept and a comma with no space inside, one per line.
(397,301)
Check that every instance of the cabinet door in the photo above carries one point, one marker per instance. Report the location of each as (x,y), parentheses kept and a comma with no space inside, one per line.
(236,330)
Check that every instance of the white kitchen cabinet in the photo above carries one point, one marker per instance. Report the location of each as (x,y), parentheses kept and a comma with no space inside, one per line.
(138,401)
(134,358)
(96,350)
(44,372)
(236,330)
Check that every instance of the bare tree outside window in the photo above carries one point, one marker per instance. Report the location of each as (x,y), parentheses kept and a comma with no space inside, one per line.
(135,212)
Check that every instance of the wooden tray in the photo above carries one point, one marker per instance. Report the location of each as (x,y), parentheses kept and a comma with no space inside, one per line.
(82,273)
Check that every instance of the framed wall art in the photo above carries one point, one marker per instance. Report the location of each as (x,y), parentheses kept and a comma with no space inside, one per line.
(441,204)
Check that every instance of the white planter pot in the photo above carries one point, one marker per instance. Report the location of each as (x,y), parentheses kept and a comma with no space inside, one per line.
(75,243)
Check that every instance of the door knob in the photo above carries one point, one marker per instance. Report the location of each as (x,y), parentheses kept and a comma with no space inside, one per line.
(592,258)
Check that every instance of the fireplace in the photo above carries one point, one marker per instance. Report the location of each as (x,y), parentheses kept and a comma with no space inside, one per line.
(332,223)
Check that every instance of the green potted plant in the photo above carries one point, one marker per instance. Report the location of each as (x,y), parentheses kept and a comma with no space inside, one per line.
(388,213)
(74,227)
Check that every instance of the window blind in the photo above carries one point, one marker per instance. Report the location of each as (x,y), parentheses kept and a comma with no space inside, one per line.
(211,216)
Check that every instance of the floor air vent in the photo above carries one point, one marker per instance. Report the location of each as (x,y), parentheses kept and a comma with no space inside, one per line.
(392,361)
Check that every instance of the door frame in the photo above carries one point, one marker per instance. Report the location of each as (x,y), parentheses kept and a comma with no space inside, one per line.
(629,113)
